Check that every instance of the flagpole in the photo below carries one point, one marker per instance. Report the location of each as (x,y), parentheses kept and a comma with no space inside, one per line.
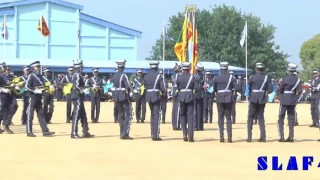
(41,36)
(193,37)
(163,43)
(4,37)
(246,56)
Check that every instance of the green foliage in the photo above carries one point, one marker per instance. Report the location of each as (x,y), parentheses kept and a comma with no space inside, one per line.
(310,56)
(220,31)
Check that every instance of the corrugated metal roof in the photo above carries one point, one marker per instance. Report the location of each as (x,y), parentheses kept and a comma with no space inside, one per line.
(26,2)
(110,25)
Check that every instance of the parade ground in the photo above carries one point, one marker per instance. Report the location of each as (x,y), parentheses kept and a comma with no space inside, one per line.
(106,157)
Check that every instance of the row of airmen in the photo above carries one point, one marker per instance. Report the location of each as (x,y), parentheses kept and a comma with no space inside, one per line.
(185,89)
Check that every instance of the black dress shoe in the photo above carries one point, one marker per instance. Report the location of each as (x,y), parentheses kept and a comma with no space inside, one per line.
(233,122)
(87,135)
(138,121)
(163,121)
(262,140)
(23,123)
(249,140)
(205,121)
(229,140)
(176,129)
(49,122)
(281,139)
(210,122)
(142,121)
(296,124)
(47,134)
(126,137)
(222,140)
(185,139)
(8,130)
(318,140)
(191,140)
(156,139)
(68,121)
(76,136)
(313,125)
(31,135)
(290,139)
(116,121)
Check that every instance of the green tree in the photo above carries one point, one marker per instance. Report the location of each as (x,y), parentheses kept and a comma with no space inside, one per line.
(220,31)
(310,56)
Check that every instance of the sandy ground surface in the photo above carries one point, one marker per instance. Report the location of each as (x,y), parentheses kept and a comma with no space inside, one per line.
(106,157)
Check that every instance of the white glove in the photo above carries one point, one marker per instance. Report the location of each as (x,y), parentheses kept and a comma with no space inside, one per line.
(131,94)
(17,88)
(269,95)
(51,87)
(94,86)
(238,94)
(12,85)
(110,93)
(113,89)
(38,91)
(4,90)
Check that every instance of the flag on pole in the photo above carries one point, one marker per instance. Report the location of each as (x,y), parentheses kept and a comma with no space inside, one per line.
(243,35)
(4,30)
(179,47)
(189,44)
(45,30)
(195,46)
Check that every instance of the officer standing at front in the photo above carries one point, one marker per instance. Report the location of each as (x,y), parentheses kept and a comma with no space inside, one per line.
(224,84)
(121,96)
(290,91)
(24,96)
(35,87)
(154,88)
(175,104)
(77,97)
(164,99)
(47,97)
(208,98)
(315,98)
(199,95)
(139,98)
(234,100)
(68,80)
(95,95)
(4,100)
(259,87)
(186,83)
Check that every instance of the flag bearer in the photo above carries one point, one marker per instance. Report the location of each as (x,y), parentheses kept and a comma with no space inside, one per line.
(199,97)
(186,83)
(208,98)
(139,98)
(175,104)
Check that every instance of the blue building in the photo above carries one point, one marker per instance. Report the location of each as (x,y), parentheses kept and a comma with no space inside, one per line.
(73,34)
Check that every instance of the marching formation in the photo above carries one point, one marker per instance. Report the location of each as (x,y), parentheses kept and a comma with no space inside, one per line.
(192,94)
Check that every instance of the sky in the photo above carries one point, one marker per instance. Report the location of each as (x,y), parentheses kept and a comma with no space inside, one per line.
(296,21)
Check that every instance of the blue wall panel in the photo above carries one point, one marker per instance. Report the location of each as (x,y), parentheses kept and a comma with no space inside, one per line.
(62,13)
(30,51)
(63,33)
(121,53)
(63,52)
(28,33)
(92,53)
(118,34)
(90,29)
(32,11)
(9,51)
(93,41)
(123,42)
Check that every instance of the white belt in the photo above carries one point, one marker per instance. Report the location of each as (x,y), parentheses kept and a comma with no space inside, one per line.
(288,92)
(221,91)
(120,89)
(256,90)
(153,90)
(186,90)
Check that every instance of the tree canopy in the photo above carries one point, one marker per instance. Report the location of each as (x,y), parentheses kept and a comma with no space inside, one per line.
(310,56)
(220,30)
